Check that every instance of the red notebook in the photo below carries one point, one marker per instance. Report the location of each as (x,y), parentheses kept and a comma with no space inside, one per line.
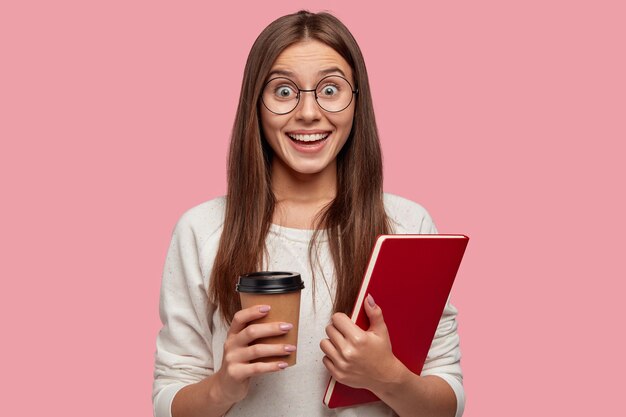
(410,278)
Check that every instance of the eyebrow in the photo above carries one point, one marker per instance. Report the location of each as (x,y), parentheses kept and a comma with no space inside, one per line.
(287,73)
(331,70)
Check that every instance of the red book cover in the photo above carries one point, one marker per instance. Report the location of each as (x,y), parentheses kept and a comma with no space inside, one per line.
(410,278)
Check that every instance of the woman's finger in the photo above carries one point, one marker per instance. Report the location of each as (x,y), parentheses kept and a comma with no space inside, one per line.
(348,330)
(243,371)
(245,316)
(332,369)
(331,352)
(259,330)
(263,350)
(336,337)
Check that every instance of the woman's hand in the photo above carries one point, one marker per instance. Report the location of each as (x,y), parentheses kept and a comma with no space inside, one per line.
(359,358)
(233,378)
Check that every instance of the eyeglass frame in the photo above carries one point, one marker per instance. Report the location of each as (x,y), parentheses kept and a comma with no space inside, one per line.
(300,90)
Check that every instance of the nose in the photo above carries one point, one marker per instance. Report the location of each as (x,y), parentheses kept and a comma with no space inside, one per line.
(308,109)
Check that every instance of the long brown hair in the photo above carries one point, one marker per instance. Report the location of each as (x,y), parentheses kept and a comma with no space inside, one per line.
(352,220)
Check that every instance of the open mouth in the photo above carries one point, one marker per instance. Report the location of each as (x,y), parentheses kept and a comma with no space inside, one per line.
(310,139)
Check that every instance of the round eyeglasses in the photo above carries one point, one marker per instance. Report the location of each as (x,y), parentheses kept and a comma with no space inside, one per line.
(333,94)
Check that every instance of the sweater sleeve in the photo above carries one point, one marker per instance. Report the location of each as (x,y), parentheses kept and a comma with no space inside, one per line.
(444,356)
(183,349)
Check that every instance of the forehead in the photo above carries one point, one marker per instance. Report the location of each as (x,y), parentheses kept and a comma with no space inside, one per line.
(309,60)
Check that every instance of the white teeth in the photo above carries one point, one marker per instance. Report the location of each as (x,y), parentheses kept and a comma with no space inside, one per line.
(309,138)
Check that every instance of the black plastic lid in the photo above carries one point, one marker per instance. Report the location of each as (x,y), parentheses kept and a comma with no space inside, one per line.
(270,282)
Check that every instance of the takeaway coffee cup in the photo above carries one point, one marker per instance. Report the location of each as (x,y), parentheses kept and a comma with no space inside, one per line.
(281,291)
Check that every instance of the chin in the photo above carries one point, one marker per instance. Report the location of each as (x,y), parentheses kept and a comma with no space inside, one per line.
(308,171)
(305,169)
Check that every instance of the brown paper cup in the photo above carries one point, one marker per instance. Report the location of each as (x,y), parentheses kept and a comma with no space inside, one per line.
(282,294)
(285,308)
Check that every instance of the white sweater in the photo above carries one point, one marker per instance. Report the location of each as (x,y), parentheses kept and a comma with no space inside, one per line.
(190,344)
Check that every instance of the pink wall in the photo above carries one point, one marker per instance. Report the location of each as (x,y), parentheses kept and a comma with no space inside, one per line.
(506,121)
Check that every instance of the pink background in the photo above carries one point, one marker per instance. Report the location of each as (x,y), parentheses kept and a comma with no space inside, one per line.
(507,121)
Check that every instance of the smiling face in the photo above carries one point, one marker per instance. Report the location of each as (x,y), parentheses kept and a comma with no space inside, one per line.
(306,141)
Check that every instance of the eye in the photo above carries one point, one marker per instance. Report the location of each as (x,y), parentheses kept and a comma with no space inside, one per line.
(284,91)
(329,90)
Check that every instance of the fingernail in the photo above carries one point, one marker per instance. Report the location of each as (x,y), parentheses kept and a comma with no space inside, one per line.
(282,365)
(370,300)
(290,348)
(286,326)
(264,309)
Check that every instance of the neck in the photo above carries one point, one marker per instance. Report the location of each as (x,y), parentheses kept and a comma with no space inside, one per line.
(300,197)
(289,185)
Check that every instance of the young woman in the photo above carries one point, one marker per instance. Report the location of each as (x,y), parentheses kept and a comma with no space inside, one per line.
(304,194)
